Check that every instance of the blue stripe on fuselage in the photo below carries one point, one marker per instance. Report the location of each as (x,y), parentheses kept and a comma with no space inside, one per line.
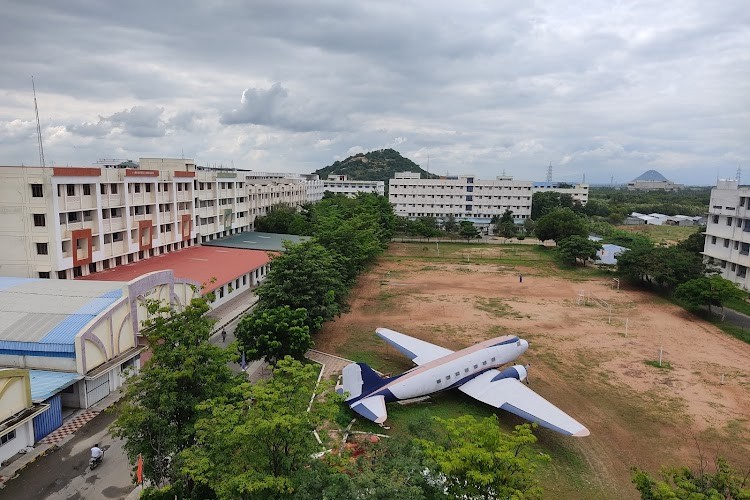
(505,342)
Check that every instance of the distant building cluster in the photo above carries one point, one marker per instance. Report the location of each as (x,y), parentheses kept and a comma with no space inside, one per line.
(340,184)
(657,219)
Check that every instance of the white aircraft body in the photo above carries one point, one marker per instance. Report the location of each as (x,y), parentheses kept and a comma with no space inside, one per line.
(473,370)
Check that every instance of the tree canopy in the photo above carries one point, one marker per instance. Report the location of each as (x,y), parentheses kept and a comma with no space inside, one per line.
(708,291)
(665,267)
(681,483)
(578,248)
(478,460)
(306,276)
(560,223)
(158,411)
(274,333)
(544,202)
(468,230)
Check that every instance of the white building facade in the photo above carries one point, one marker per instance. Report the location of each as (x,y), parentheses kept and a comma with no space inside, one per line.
(464,197)
(727,245)
(340,184)
(63,222)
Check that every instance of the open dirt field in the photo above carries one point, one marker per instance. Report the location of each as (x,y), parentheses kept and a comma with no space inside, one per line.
(582,360)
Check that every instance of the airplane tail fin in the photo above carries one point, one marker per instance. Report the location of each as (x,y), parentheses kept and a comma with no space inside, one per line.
(358,379)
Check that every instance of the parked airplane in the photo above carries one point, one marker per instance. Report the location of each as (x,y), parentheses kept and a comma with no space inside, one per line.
(473,370)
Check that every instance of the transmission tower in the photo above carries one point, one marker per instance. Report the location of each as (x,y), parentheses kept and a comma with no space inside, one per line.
(739,174)
(38,126)
(549,172)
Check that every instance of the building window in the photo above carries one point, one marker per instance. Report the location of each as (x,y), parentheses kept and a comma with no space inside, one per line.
(726,243)
(73,217)
(113,188)
(148,188)
(61,275)
(39,220)
(77,272)
(741,272)
(729,221)
(87,189)
(36,191)
(7,437)
(41,249)
(44,275)
(136,188)
(713,240)
(71,189)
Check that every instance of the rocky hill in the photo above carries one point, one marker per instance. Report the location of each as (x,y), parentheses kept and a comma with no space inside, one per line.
(373,166)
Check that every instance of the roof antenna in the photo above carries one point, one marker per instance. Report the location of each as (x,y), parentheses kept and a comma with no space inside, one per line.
(38,126)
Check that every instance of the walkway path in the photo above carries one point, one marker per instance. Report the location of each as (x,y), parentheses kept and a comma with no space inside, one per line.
(332,364)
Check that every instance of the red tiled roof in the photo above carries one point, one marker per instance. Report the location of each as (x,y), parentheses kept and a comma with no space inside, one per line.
(199,264)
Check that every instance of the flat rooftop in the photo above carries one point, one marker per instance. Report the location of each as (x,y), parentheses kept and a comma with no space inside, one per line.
(251,240)
(45,315)
(198,264)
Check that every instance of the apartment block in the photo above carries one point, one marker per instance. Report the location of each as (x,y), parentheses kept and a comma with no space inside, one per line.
(727,244)
(66,222)
(579,192)
(339,183)
(465,197)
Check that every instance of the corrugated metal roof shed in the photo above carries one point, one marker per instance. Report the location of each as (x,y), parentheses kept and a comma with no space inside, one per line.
(45,384)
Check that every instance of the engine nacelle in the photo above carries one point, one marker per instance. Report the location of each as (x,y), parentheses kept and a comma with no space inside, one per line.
(517,372)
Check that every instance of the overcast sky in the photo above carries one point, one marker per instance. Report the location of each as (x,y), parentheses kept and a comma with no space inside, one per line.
(607,89)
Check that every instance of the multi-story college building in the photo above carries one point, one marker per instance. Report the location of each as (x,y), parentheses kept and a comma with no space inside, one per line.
(727,244)
(579,192)
(66,222)
(339,183)
(465,197)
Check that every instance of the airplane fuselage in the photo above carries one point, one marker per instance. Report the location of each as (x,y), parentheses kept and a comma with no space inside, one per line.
(450,371)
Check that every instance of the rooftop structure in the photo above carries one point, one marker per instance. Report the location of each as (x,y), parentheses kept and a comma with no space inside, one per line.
(651,180)
(253,240)
(339,183)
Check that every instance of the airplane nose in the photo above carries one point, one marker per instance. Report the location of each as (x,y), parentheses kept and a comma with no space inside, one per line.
(524,344)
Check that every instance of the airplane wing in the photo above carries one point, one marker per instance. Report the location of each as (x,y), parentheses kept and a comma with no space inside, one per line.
(419,351)
(511,395)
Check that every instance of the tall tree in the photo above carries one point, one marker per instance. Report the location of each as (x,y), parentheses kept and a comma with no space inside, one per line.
(468,230)
(505,225)
(253,445)
(450,225)
(666,267)
(158,411)
(306,276)
(559,224)
(545,202)
(708,291)
(282,219)
(578,248)
(274,333)
(478,460)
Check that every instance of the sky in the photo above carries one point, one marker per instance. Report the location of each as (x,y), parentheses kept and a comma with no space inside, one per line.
(602,89)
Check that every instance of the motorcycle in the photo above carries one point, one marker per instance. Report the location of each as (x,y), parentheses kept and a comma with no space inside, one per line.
(94,462)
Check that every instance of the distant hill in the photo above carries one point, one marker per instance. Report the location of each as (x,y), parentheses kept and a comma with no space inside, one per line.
(373,166)
(651,176)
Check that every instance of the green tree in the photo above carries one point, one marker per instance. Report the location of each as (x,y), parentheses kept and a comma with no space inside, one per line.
(282,219)
(575,248)
(450,225)
(544,202)
(666,267)
(695,242)
(305,276)
(684,484)
(505,226)
(253,445)
(708,291)
(479,461)
(275,333)
(158,411)
(559,224)
(468,230)
(427,227)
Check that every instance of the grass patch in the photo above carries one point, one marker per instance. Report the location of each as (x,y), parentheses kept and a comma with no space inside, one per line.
(665,365)
(738,305)
(497,308)
(663,234)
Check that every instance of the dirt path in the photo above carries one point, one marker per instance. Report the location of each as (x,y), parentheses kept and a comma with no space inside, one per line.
(581,358)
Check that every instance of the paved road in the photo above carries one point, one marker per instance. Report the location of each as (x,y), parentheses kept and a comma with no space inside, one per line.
(63,474)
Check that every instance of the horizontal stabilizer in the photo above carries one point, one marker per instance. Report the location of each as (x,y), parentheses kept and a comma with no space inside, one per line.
(372,408)
(511,395)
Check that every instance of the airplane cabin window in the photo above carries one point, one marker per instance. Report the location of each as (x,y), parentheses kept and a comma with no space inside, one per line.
(439,380)
(484,363)
(447,377)
(458,374)
(466,370)
(493,360)
(476,366)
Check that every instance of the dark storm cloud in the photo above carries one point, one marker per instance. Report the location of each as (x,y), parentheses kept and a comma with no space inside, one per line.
(606,89)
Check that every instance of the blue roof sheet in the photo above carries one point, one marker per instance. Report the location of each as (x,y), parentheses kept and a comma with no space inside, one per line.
(45,384)
(65,332)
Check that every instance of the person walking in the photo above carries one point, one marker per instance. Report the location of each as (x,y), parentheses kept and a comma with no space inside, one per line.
(520,278)
(223,335)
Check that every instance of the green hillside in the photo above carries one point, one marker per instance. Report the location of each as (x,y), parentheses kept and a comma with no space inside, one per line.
(373,166)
